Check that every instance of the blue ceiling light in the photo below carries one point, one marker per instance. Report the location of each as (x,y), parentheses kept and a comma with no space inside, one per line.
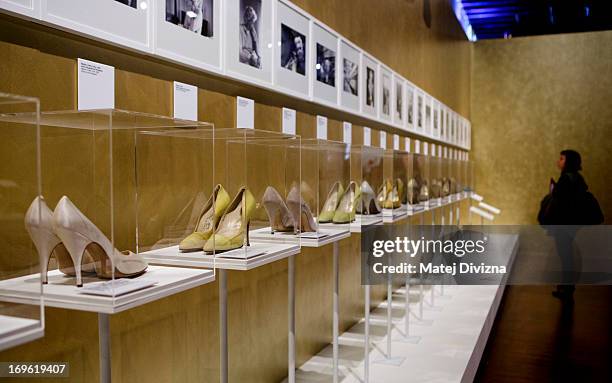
(463,19)
(587,11)
(551,15)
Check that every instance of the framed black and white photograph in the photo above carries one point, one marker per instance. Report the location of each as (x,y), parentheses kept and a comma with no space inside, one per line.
(369,70)
(325,64)
(385,94)
(410,107)
(351,58)
(427,100)
(248,40)
(194,15)
(188,32)
(436,118)
(129,3)
(443,122)
(293,53)
(399,111)
(122,22)
(420,112)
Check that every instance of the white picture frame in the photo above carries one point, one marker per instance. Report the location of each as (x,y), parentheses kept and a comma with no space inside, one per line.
(369,95)
(189,37)
(410,107)
(435,107)
(244,59)
(109,20)
(292,54)
(428,115)
(325,53)
(28,8)
(385,94)
(420,112)
(347,88)
(399,102)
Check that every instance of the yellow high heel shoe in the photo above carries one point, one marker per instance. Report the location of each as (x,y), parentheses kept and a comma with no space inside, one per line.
(401,191)
(348,203)
(413,192)
(331,203)
(233,229)
(424,192)
(278,213)
(208,221)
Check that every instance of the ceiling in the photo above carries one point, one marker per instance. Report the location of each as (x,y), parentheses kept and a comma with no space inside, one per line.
(492,19)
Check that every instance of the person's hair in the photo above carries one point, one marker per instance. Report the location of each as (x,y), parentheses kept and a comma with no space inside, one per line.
(573,161)
(250,16)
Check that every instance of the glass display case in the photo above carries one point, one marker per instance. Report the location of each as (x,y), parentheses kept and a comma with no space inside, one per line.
(392,195)
(435,183)
(418,185)
(367,172)
(21,220)
(89,205)
(263,194)
(457,190)
(329,192)
(448,181)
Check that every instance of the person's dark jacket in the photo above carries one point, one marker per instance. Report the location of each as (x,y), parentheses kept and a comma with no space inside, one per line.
(570,203)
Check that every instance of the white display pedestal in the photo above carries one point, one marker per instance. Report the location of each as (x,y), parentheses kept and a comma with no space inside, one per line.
(62,292)
(258,254)
(15,331)
(328,233)
(365,221)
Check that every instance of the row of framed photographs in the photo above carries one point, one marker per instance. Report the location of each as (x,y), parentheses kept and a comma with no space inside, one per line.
(268,43)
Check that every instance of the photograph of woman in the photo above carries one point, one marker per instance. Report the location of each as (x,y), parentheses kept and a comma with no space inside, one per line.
(370,87)
(193,15)
(351,77)
(249,33)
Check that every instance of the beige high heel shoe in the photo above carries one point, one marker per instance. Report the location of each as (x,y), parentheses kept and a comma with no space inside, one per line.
(78,233)
(300,211)
(369,202)
(39,225)
(277,210)
(331,203)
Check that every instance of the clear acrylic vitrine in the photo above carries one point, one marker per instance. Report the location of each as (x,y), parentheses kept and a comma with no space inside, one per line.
(328,191)
(262,193)
(435,183)
(367,172)
(447,180)
(418,189)
(88,162)
(21,318)
(391,194)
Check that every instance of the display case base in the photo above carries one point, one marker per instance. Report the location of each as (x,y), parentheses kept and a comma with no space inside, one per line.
(328,233)
(363,221)
(390,216)
(62,292)
(15,331)
(257,254)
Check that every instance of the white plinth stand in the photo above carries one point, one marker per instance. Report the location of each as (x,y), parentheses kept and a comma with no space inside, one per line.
(15,331)
(61,291)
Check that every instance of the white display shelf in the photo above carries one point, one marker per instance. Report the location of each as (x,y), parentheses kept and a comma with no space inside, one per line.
(416,209)
(62,292)
(15,331)
(362,221)
(390,216)
(257,254)
(327,234)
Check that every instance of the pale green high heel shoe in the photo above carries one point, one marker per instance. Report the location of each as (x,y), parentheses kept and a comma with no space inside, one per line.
(345,212)
(331,203)
(233,230)
(207,223)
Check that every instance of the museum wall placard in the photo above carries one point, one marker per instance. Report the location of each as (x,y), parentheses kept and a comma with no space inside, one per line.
(532,98)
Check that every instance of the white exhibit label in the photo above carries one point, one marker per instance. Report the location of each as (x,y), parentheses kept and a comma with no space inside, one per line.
(367,136)
(396,142)
(245,113)
(417,146)
(347,133)
(289,121)
(95,85)
(322,128)
(407,144)
(425,149)
(185,101)
(383,139)
(445,152)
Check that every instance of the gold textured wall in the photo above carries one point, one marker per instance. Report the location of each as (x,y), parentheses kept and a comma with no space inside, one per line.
(176,339)
(531,98)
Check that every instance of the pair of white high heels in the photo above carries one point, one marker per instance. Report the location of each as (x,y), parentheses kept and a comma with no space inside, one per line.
(78,245)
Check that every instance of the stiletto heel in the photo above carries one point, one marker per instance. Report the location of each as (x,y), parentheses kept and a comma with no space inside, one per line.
(300,211)
(278,213)
(78,234)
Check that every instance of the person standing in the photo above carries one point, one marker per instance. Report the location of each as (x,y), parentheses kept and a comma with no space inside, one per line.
(567,207)
(249,39)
